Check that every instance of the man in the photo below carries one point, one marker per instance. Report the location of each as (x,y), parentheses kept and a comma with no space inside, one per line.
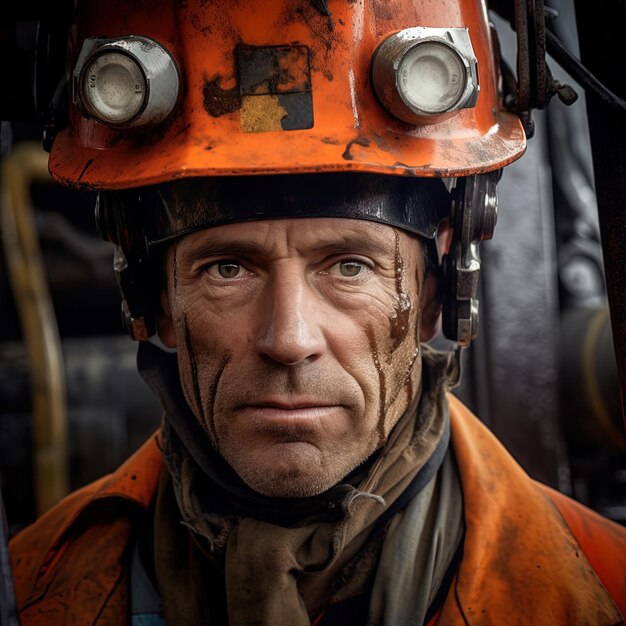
(310,468)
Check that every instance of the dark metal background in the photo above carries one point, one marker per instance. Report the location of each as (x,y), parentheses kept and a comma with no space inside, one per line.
(602,34)
(544,263)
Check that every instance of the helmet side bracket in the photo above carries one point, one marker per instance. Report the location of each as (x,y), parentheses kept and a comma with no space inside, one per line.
(474,216)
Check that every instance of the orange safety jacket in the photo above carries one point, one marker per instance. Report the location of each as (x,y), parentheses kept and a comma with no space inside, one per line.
(530,555)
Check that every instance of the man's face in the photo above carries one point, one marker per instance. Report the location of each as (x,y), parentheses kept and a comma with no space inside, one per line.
(297,343)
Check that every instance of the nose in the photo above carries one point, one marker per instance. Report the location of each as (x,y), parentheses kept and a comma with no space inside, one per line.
(291,332)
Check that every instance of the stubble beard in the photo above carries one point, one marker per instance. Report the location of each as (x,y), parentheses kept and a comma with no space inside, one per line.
(306,462)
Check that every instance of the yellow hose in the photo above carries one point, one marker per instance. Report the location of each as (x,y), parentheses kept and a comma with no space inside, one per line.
(25,165)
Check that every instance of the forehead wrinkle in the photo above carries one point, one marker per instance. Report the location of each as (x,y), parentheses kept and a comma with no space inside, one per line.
(305,235)
(230,240)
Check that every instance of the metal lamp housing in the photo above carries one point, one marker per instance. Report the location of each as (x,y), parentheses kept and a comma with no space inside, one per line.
(125,82)
(423,75)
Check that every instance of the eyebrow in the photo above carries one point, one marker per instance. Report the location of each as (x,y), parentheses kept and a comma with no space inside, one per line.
(355,242)
(225,248)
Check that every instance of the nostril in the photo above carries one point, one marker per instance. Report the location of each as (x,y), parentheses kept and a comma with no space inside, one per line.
(292,337)
(293,345)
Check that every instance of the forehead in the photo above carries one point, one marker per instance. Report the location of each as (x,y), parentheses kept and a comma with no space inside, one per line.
(302,235)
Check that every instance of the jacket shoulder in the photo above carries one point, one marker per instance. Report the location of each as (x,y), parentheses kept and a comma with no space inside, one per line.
(75,550)
(602,541)
(555,557)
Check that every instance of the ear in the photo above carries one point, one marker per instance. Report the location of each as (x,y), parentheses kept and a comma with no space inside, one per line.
(444,237)
(431,307)
(165,324)
(431,296)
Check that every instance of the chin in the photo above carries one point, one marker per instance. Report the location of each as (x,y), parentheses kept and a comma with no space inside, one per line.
(294,470)
(289,486)
(288,481)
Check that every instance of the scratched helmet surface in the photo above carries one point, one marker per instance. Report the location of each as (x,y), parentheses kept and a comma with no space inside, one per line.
(273,86)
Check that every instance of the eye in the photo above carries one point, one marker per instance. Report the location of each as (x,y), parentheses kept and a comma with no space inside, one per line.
(349,268)
(225,269)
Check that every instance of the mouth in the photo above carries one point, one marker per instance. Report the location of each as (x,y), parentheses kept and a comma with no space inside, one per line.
(291,413)
(292,403)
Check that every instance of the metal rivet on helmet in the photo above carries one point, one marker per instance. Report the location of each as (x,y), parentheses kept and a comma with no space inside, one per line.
(125,82)
(421,75)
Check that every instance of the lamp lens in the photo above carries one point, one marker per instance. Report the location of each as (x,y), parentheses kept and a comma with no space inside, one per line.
(114,87)
(431,77)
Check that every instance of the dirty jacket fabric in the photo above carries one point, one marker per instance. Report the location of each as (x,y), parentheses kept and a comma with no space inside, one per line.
(530,555)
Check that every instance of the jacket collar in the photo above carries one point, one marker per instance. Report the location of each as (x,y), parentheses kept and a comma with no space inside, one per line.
(135,480)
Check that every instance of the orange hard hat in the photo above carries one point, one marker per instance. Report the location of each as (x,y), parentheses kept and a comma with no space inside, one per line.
(164,90)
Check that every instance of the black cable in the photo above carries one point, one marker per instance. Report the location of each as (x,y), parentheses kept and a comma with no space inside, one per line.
(580,73)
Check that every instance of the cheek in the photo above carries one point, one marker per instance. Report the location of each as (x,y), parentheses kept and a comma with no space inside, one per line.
(393,350)
(195,322)
(199,316)
(390,325)
(203,353)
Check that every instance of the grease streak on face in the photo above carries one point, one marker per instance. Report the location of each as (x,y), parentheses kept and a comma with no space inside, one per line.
(382,386)
(401,320)
(197,393)
(283,330)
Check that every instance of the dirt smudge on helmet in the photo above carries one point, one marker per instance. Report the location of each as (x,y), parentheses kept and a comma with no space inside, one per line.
(84,170)
(218,101)
(364,142)
(321,6)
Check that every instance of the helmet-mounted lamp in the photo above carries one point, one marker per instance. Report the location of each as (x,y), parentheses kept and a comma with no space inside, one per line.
(125,82)
(423,75)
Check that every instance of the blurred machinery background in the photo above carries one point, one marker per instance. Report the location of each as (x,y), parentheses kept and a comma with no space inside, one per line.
(542,374)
